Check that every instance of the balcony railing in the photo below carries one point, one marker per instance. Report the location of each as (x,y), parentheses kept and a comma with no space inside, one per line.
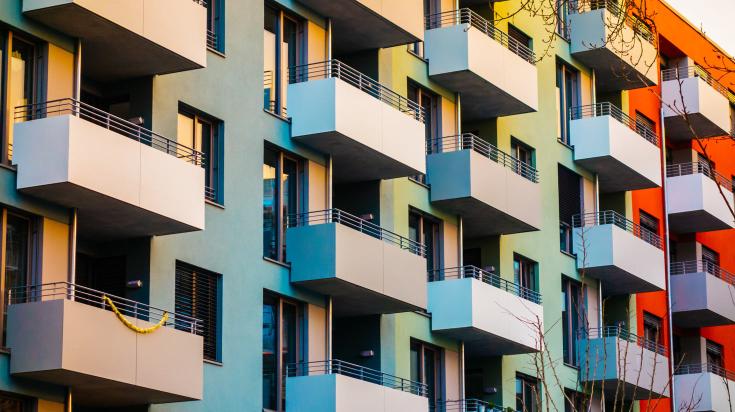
(466,405)
(679,73)
(467,16)
(356,223)
(110,122)
(92,297)
(330,367)
(608,109)
(485,276)
(337,69)
(610,217)
(468,141)
(697,368)
(683,169)
(702,266)
(613,7)
(624,334)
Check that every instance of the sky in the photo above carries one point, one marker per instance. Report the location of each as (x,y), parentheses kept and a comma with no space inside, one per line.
(715,17)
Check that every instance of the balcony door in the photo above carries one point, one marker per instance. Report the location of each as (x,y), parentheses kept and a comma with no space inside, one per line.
(283,336)
(426,230)
(426,369)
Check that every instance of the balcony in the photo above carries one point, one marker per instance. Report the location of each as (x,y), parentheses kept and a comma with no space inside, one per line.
(617,45)
(494,192)
(66,334)
(623,152)
(622,364)
(706,103)
(466,405)
(370,131)
(371,24)
(125,181)
(698,198)
(704,387)
(337,386)
(701,294)
(490,314)
(495,73)
(626,257)
(366,269)
(129,39)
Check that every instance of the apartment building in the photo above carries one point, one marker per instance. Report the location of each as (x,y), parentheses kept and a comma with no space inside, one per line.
(351,205)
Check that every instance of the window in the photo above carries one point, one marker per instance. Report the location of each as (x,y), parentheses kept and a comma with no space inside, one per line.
(197,294)
(284,48)
(426,368)
(643,124)
(432,128)
(522,38)
(282,182)
(283,334)
(714,354)
(21,81)
(203,133)
(567,91)
(562,15)
(652,331)
(570,204)
(426,230)
(526,156)
(575,401)
(12,404)
(650,224)
(710,260)
(528,397)
(525,272)
(21,244)
(573,317)
(215,25)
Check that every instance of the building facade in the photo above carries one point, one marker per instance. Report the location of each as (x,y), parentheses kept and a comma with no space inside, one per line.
(417,205)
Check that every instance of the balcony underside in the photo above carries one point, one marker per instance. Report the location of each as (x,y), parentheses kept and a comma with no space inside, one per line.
(367,29)
(481,219)
(626,390)
(699,318)
(480,98)
(612,72)
(617,281)
(696,221)
(353,300)
(480,343)
(354,161)
(615,176)
(677,127)
(112,52)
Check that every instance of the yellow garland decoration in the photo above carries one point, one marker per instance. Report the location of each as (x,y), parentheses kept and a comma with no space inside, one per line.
(129,324)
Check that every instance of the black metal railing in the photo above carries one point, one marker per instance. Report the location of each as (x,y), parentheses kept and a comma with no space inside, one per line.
(691,168)
(678,73)
(697,368)
(109,121)
(608,109)
(702,266)
(356,223)
(334,366)
(92,297)
(613,7)
(468,141)
(337,69)
(488,277)
(623,334)
(466,405)
(611,217)
(467,16)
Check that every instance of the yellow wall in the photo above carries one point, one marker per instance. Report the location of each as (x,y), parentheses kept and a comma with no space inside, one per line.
(55,255)
(60,73)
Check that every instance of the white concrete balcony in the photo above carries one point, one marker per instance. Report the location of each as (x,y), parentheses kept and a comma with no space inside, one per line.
(495,73)
(618,46)
(370,131)
(131,38)
(67,335)
(492,315)
(338,386)
(701,294)
(494,192)
(623,364)
(365,268)
(125,181)
(698,198)
(703,388)
(706,103)
(371,24)
(608,142)
(626,257)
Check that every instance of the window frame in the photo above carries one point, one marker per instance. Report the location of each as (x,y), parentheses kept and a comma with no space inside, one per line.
(215,25)
(653,323)
(564,102)
(7,41)
(182,267)
(518,273)
(568,316)
(439,377)
(213,160)
(527,381)
(300,201)
(438,249)
(280,76)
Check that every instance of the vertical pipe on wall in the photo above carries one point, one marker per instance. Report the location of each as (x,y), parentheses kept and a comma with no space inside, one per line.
(71,275)
(461,371)
(328,329)
(67,400)
(78,71)
(329,39)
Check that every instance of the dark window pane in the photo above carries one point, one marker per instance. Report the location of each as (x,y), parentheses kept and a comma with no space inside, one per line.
(197,296)
(270,204)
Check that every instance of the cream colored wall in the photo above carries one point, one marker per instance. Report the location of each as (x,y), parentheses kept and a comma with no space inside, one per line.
(588,196)
(447,5)
(60,73)
(55,255)
(448,117)
(316,325)
(317,187)
(451,248)
(451,374)
(316,43)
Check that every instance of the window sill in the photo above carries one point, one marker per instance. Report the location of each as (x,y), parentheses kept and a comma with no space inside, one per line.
(217,52)
(9,167)
(424,185)
(277,262)
(279,117)
(569,365)
(412,53)
(215,204)
(568,146)
(211,362)
(571,255)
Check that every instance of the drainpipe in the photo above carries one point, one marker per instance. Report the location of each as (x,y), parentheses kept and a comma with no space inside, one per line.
(77,93)
(71,273)
(460,240)
(67,400)
(328,331)
(329,39)
(330,205)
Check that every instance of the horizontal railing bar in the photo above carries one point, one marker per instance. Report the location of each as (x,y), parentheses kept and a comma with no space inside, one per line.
(610,217)
(624,334)
(697,368)
(702,266)
(485,276)
(691,168)
(613,7)
(678,73)
(609,109)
